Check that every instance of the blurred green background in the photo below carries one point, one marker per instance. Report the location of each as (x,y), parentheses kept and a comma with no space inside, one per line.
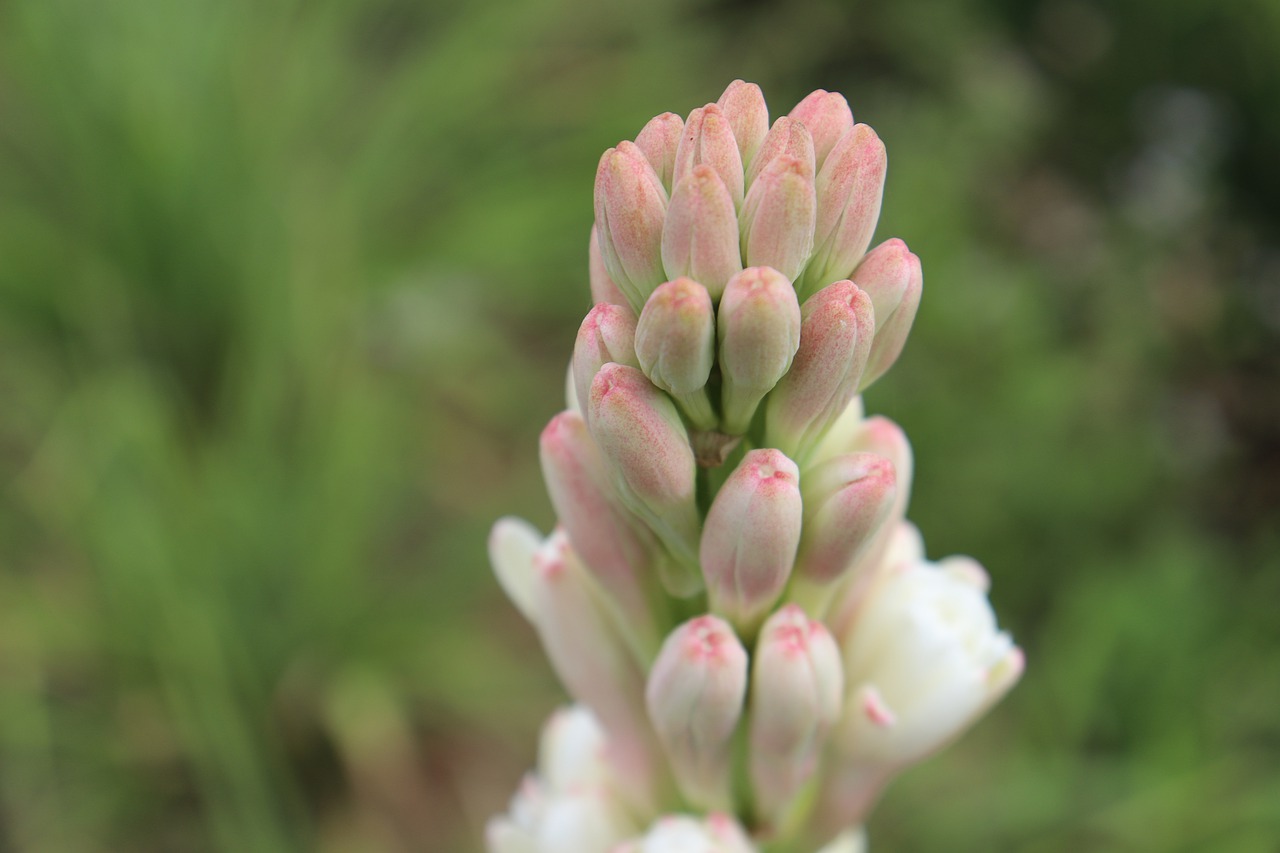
(287,290)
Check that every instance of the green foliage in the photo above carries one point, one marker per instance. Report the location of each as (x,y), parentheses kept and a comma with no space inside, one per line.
(286,293)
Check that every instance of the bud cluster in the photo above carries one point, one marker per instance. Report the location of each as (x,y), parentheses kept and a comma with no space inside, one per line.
(733,594)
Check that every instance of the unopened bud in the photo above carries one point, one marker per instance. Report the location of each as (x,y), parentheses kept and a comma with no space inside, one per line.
(744,107)
(607,334)
(846,500)
(694,696)
(850,187)
(835,339)
(631,204)
(646,450)
(787,137)
(890,274)
(590,658)
(700,236)
(512,544)
(797,687)
(603,288)
(758,326)
(708,140)
(828,118)
(614,551)
(659,140)
(778,217)
(675,342)
(750,537)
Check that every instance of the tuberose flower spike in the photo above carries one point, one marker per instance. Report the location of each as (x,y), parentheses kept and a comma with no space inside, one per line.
(715,440)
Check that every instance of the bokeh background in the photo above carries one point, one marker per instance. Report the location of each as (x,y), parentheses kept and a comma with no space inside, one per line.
(287,290)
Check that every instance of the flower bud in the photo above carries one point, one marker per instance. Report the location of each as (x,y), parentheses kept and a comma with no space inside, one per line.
(583,819)
(708,140)
(607,334)
(675,342)
(797,687)
(850,187)
(603,288)
(646,450)
(923,659)
(787,137)
(778,217)
(828,118)
(835,339)
(659,140)
(512,544)
(890,274)
(571,750)
(700,235)
(846,500)
(758,326)
(616,553)
(694,696)
(588,656)
(631,204)
(750,537)
(744,107)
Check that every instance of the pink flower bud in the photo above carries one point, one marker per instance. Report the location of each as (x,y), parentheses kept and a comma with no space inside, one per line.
(797,686)
(744,107)
(700,236)
(603,288)
(607,334)
(835,339)
(675,342)
(758,326)
(750,537)
(646,450)
(828,118)
(695,694)
(708,141)
(850,188)
(616,553)
(787,137)
(778,217)
(846,500)
(631,204)
(890,274)
(588,656)
(659,140)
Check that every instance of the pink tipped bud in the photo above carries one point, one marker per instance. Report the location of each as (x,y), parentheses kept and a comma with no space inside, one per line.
(588,656)
(631,204)
(828,118)
(758,326)
(778,217)
(744,107)
(891,275)
(603,288)
(846,500)
(615,552)
(835,340)
(700,236)
(750,537)
(787,137)
(659,140)
(646,450)
(607,334)
(850,189)
(675,338)
(695,694)
(797,687)
(708,141)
